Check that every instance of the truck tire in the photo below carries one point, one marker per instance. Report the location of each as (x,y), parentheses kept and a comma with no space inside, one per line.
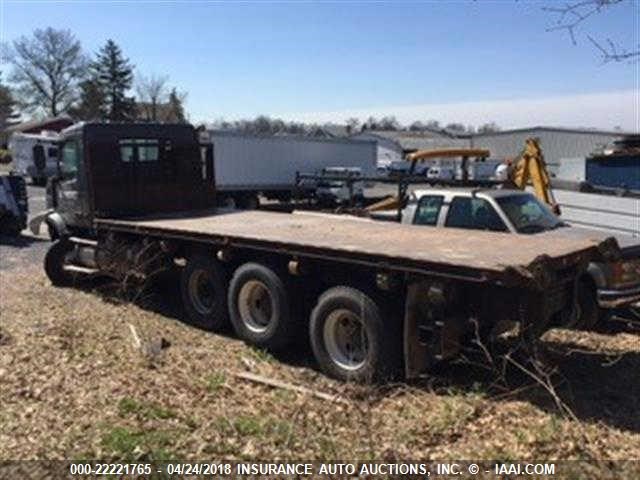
(588,311)
(259,307)
(350,339)
(54,262)
(203,287)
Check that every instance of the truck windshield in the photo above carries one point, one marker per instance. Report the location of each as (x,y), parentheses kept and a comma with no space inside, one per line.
(528,214)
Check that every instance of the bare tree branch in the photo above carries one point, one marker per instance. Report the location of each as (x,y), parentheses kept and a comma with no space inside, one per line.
(573,14)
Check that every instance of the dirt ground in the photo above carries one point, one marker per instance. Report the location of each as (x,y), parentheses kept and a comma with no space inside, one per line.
(74,384)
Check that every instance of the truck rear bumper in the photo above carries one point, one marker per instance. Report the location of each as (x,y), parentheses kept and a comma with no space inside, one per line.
(615,298)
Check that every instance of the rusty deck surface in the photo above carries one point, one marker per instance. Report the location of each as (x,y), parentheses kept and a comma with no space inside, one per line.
(468,249)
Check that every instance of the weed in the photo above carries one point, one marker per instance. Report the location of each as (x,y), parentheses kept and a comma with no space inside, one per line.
(124,442)
(215,381)
(150,411)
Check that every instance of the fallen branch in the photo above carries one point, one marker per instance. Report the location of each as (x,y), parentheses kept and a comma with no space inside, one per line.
(136,339)
(251,377)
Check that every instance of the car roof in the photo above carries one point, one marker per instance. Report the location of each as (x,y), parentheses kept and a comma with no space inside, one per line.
(488,192)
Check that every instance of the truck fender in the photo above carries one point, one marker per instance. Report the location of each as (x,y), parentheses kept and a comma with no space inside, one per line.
(597,274)
(35,222)
(57,226)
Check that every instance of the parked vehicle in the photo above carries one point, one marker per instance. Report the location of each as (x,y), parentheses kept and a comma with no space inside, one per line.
(442,172)
(340,192)
(34,155)
(13,204)
(135,200)
(246,166)
(602,287)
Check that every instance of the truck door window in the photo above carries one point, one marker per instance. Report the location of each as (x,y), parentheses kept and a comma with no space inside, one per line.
(474,213)
(140,149)
(428,210)
(147,150)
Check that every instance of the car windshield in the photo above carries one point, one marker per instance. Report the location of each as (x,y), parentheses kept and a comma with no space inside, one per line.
(528,214)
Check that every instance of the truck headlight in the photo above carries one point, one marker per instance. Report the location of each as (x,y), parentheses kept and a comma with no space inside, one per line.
(625,272)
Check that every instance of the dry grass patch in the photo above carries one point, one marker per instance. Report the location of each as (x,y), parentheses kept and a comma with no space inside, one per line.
(74,385)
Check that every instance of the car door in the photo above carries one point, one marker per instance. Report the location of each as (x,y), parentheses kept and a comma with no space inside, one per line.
(428,210)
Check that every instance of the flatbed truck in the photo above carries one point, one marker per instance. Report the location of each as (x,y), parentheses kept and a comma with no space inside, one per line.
(376,300)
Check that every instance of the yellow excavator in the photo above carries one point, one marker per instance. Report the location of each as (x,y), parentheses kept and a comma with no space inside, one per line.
(529,168)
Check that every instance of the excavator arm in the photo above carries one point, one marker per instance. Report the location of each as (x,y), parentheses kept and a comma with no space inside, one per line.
(531,169)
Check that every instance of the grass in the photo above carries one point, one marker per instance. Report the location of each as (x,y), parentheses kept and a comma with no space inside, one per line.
(190,406)
(130,406)
(215,381)
(126,443)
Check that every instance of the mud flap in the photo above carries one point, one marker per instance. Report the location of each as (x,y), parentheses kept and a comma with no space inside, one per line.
(416,354)
(433,326)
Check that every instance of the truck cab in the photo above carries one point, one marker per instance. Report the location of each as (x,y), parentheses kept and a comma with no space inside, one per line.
(127,170)
(612,285)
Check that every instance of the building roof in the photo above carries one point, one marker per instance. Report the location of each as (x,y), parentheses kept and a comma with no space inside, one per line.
(36,126)
(538,128)
(423,140)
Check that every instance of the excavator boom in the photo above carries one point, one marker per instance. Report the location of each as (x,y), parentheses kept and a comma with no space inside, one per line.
(531,169)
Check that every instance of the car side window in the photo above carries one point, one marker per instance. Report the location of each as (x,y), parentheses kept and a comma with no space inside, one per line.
(474,213)
(428,210)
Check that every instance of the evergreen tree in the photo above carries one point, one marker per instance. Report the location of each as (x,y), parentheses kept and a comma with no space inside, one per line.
(114,74)
(176,107)
(93,101)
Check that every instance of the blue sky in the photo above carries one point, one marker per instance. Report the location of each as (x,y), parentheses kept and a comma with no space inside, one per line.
(326,60)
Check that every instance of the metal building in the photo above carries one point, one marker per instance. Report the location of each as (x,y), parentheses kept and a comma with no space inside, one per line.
(557,143)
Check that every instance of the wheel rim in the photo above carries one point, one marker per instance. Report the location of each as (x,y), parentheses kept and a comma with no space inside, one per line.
(255,305)
(346,339)
(201,292)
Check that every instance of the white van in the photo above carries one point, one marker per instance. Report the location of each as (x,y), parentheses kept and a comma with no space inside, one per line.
(438,172)
(34,155)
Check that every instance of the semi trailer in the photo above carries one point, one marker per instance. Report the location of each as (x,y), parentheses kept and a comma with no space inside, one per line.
(250,165)
(376,300)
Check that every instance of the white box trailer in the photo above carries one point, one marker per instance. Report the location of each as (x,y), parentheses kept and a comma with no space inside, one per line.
(35,155)
(246,165)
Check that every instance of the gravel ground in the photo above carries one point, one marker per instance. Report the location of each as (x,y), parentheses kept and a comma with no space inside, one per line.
(26,250)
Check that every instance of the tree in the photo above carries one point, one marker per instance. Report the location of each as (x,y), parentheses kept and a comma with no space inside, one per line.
(152,92)
(47,69)
(416,126)
(8,116)
(389,123)
(352,125)
(114,75)
(488,128)
(92,101)
(570,16)
(456,127)
(175,111)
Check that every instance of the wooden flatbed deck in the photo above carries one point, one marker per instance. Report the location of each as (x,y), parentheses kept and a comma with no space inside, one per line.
(471,255)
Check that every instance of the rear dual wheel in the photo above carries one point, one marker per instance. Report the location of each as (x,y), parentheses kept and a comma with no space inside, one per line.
(351,339)
(259,307)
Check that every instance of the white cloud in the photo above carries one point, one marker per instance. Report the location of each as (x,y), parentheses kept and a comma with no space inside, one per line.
(594,110)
